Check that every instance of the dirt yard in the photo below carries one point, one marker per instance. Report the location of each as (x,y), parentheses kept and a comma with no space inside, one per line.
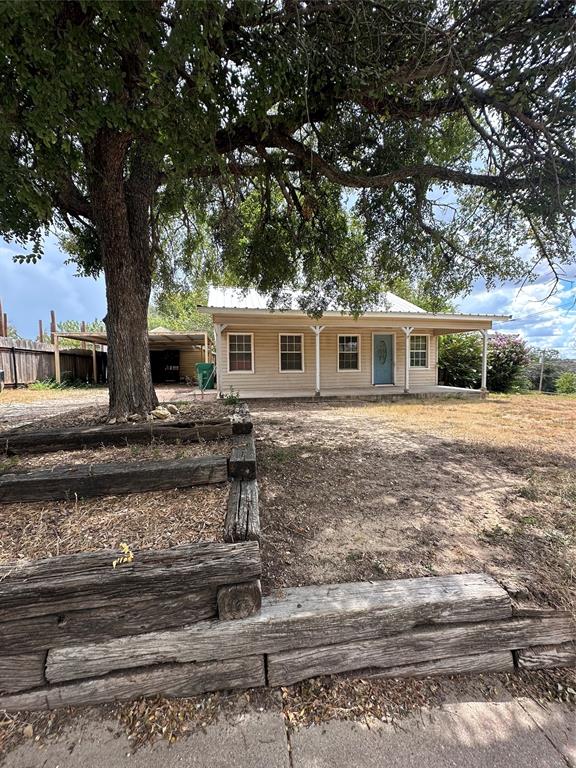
(353,491)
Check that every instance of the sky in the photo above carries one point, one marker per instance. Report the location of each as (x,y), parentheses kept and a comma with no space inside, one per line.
(29,291)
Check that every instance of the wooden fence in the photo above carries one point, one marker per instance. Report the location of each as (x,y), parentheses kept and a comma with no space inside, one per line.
(25,361)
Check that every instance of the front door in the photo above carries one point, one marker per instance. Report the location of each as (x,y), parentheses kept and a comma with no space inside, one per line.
(383,351)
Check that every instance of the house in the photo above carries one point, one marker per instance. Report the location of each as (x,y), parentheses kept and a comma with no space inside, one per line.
(394,350)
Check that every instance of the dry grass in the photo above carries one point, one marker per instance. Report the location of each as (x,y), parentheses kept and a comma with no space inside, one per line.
(538,423)
(143,520)
(155,451)
(11,396)
(354,491)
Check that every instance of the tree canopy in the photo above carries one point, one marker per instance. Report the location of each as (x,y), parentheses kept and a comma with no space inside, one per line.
(452,122)
(333,145)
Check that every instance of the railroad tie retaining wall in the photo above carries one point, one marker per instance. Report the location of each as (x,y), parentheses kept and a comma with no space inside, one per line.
(409,627)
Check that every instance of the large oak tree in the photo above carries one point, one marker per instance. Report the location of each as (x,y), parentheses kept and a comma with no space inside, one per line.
(451,121)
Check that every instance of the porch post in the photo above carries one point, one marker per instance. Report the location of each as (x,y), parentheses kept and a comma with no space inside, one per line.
(317,329)
(484,360)
(218,328)
(407,331)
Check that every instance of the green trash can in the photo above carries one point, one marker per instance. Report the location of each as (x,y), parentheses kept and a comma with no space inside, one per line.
(205,375)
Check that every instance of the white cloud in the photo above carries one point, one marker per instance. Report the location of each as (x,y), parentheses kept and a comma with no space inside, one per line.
(543,319)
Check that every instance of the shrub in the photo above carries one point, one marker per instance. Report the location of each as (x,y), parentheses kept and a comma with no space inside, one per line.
(566,383)
(460,359)
(508,357)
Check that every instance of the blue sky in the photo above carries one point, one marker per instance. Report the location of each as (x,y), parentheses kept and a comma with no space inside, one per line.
(30,291)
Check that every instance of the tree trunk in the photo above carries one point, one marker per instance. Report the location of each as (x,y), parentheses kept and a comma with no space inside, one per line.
(121,204)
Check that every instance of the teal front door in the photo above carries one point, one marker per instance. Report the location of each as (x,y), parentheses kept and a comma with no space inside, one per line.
(383,351)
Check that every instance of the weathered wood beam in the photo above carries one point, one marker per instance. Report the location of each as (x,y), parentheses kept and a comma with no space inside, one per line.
(111,479)
(157,608)
(242,521)
(22,671)
(88,580)
(300,617)
(173,680)
(238,601)
(547,656)
(482,663)
(417,646)
(242,464)
(241,420)
(77,438)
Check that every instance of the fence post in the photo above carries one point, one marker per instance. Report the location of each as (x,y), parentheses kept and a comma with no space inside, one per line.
(56,358)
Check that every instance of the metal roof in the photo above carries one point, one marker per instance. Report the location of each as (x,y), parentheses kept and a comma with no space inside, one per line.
(158,338)
(236,298)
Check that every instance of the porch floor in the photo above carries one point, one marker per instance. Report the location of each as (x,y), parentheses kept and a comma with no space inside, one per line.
(367,393)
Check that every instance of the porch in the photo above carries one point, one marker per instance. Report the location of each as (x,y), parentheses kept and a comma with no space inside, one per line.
(391,393)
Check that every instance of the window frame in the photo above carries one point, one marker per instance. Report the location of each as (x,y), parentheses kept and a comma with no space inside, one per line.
(348,370)
(240,333)
(290,370)
(419,367)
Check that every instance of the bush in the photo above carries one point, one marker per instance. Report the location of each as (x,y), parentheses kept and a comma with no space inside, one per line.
(460,359)
(508,357)
(566,383)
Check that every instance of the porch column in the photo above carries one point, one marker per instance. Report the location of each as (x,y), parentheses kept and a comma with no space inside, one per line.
(218,328)
(484,360)
(57,374)
(407,331)
(317,329)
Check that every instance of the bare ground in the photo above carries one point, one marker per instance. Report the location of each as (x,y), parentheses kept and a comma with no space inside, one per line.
(353,491)
(38,409)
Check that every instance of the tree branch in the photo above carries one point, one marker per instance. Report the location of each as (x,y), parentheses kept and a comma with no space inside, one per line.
(311,160)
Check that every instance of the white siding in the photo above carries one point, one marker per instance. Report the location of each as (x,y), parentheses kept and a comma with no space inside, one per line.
(268,379)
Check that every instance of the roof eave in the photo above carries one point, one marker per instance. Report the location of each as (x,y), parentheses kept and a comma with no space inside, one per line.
(333,313)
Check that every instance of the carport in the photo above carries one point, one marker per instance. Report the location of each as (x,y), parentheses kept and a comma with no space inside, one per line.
(173,354)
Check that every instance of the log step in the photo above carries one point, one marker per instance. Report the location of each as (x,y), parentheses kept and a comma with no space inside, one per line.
(77,438)
(242,517)
(173,680)
(241,420)
(482,663)
(111,479)
(420,645)
(301,617)
(242,464)
(88,580)
(547,656)
(22,671)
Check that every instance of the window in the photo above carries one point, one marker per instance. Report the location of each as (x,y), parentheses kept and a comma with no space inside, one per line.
(291,352)
(240,352)
(418,351)
(348,353)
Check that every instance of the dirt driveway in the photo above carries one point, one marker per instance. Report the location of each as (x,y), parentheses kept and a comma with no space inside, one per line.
(353,491)
(28,405)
